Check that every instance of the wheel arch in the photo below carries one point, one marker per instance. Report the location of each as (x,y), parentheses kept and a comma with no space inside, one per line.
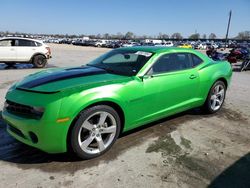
(112,104)
(220,78)
(224,80)
(35,54)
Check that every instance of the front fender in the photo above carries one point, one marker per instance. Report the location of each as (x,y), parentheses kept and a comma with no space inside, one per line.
(73,104)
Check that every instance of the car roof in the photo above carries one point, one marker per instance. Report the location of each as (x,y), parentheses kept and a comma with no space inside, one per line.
(21,38)
(158,49)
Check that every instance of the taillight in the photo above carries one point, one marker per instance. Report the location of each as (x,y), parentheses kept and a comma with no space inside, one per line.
(49,51)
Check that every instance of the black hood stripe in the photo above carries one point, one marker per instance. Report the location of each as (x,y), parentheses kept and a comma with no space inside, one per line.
(65,74)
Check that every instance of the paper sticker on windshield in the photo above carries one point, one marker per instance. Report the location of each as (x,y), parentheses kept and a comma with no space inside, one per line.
(147,54)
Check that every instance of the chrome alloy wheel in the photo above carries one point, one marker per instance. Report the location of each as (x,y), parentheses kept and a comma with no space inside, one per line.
(97,132)
(217,97)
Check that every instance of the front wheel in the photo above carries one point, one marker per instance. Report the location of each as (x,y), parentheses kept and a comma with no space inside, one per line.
(95,131)
(215,98)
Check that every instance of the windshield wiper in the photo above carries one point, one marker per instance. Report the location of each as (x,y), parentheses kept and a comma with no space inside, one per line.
(96,66)
(90,65)
(110,70)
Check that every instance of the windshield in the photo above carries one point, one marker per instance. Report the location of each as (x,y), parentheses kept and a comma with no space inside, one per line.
(123,62)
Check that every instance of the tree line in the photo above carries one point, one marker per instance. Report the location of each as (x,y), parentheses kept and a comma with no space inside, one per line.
(244,35)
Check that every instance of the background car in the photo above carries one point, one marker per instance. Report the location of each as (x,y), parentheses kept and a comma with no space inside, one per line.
(130,44)
(23,50)
(185,45)
(114,44)
(166,44)
(86,108)
(100,43)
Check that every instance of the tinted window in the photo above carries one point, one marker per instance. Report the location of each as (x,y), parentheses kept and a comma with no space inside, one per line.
(172,62)
(7,42)
(22,42)
(196,60)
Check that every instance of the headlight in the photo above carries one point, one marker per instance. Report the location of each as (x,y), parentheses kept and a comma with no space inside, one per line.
(34,112)
(38,110)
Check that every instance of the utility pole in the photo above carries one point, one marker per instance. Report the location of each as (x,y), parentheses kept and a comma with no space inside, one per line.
(228,25)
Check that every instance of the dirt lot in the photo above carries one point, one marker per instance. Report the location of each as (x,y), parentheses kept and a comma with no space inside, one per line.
(190,149)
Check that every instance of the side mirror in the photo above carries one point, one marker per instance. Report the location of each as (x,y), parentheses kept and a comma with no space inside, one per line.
(126,56)
(148,76)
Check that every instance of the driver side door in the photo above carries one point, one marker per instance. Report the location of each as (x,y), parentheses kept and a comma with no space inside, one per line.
(7,50)
(170,86)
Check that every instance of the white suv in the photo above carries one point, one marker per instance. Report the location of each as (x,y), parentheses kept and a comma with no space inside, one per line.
(100,43)
(22,50)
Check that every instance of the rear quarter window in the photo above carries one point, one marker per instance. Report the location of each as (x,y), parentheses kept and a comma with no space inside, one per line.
(38,44)
(196,60)
(22,42)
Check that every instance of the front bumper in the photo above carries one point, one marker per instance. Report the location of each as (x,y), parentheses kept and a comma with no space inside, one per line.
(50,137)
(45,133)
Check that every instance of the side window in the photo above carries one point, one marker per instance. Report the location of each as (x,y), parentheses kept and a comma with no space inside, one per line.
(7,42)
(22,42)
(172,62)
(196,60)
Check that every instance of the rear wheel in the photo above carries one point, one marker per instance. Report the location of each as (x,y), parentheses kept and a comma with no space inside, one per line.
(95,131)
(39,61)
(216,97)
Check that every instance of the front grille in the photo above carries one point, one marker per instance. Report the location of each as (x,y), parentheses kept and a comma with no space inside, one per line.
(22,110)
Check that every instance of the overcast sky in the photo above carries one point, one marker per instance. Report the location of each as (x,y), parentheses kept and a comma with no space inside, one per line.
(111,16)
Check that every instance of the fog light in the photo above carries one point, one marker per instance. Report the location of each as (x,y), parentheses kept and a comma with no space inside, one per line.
(33,137)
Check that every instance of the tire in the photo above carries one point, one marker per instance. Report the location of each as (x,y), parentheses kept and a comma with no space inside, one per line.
(91,135)
(9,64)
(39,61)
(215,98)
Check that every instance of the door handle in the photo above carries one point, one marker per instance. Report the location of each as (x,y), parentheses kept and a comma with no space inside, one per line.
(192,76)
(12,49)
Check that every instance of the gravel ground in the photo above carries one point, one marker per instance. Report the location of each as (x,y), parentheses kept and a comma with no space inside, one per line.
(190,149)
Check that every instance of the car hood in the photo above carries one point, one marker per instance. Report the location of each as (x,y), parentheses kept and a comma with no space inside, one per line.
(55,80)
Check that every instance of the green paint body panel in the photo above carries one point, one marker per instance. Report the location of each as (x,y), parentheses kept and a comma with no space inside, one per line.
(142,98)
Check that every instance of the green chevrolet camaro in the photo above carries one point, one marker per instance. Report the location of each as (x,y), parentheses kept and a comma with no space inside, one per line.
(86,108)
